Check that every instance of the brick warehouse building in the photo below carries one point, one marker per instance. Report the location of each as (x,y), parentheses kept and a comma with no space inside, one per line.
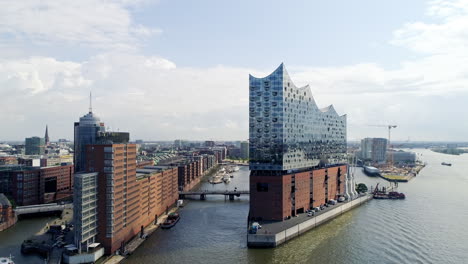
(191,169)
(297,151)
(36,185)
(128,199)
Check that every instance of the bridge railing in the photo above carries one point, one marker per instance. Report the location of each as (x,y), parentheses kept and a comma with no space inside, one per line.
(41,208)
(224,192)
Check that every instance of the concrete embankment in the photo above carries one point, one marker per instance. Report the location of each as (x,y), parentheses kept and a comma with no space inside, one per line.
(276,233)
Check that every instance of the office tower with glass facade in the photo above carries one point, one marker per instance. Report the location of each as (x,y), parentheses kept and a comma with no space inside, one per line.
(297,150)
(86,132)
(35,146)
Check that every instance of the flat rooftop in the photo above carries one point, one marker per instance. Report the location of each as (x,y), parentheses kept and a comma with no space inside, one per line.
(149,170)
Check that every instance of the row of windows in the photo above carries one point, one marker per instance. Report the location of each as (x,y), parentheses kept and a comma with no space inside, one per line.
(272,93)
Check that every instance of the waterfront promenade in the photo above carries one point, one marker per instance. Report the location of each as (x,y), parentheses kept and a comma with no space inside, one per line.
(275,233)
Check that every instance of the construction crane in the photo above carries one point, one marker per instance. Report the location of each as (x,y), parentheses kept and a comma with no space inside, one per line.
(388,145)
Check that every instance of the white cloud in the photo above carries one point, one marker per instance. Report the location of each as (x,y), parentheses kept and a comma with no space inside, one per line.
(94,23)
(38,75)
(153,98)
(445,36)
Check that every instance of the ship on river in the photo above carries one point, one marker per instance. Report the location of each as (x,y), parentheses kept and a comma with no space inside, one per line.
(371,171)
(387,193)
(171,221)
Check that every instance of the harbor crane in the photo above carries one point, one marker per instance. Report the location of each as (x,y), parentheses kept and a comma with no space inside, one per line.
(388,146)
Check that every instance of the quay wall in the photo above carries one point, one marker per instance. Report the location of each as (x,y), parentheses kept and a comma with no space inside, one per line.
(274,240)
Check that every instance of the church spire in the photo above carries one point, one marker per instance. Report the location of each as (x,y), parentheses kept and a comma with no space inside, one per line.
(46,137)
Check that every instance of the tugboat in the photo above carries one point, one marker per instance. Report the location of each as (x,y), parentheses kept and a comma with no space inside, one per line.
(171,221)
(382,194)
(446,164)
(396,195)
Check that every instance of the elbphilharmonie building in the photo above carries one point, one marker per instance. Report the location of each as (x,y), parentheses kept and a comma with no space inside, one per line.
(297,150)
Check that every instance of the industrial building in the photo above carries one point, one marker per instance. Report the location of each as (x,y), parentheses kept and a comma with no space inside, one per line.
(403,157)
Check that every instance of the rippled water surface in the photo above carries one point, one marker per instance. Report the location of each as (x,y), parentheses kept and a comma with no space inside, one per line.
(430,226)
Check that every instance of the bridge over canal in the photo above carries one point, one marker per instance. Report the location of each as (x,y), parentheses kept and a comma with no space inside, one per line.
(203,193)
(41,208)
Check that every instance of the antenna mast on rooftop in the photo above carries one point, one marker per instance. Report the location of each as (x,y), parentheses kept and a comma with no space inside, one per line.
(90,103)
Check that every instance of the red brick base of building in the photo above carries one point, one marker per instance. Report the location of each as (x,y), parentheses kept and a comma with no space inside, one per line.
(7,215)
(277,195)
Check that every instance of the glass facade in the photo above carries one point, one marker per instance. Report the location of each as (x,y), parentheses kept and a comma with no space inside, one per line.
(85,209)
(35,146)
(86,132)
(287,131)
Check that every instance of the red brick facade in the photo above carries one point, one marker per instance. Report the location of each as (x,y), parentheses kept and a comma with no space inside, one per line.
(7,215)
(35,185)
(158,192)
(191,171)
(64,177)
(125,202)
(276,196)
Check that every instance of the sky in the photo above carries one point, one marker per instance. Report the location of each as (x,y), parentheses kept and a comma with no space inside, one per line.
(174,69)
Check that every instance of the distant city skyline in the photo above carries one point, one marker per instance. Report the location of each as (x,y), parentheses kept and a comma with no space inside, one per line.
(165,70)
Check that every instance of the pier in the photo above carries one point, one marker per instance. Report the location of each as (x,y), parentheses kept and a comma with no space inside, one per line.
(203,193)
(275,233)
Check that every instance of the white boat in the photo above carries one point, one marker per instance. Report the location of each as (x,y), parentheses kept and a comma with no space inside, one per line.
(216,179)
(8,260)
(226,179)
(236,168)
(371,171)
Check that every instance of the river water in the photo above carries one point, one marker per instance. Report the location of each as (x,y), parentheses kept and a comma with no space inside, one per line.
(11,239)
(429,226)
